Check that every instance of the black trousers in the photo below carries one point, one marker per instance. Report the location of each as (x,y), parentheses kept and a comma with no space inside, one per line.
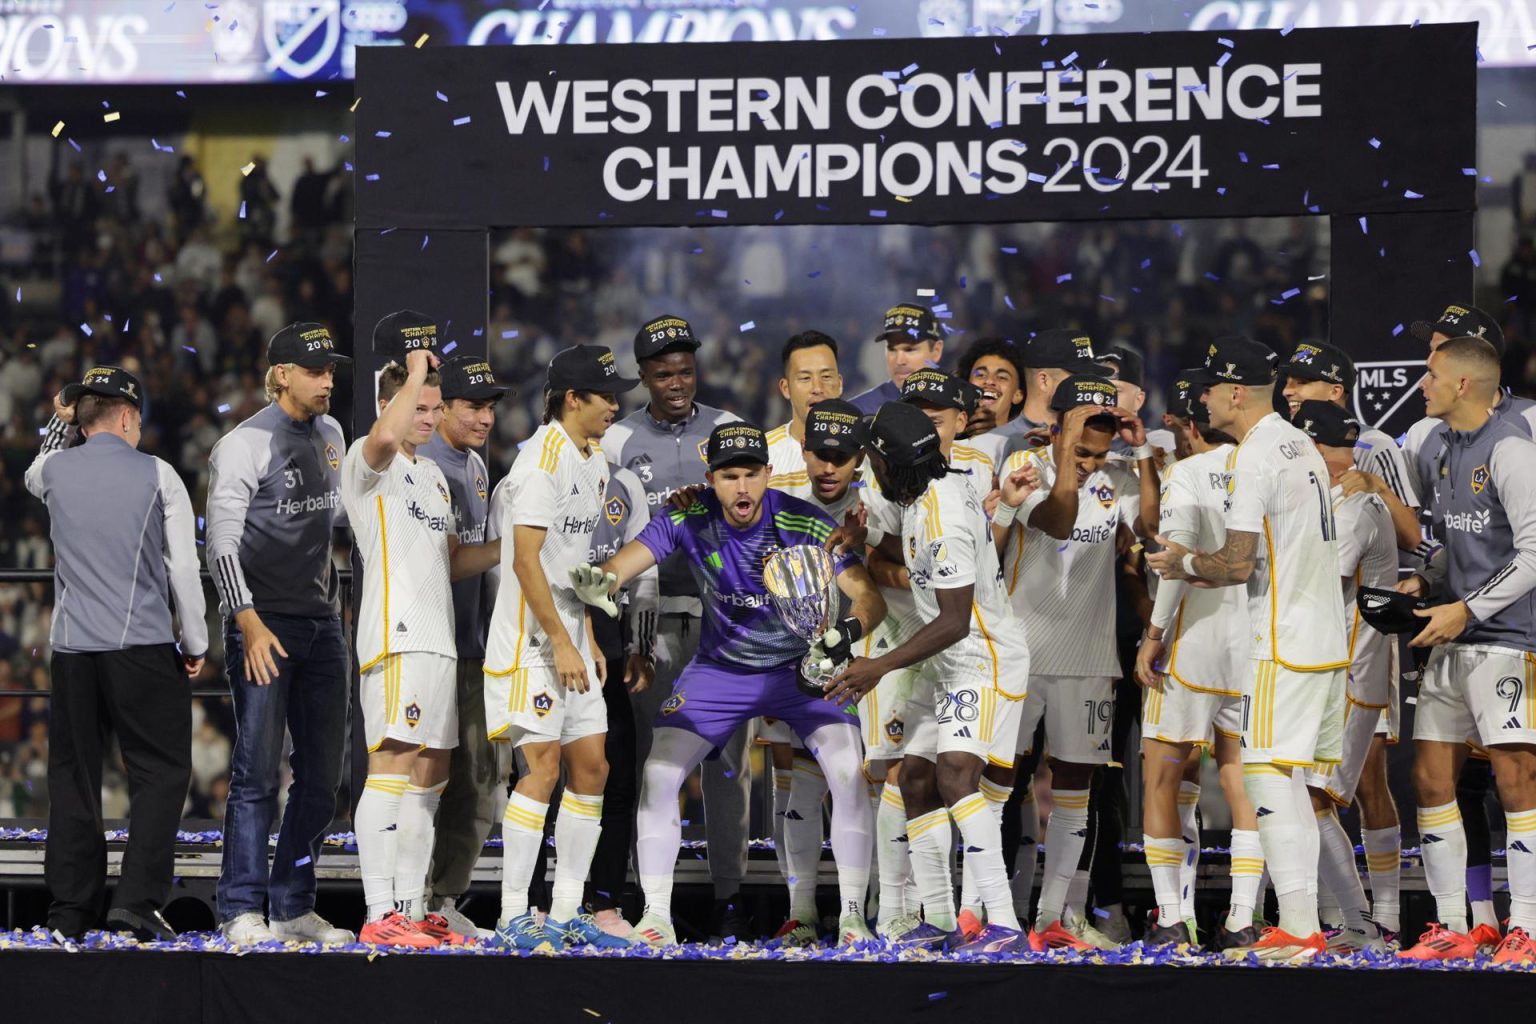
(141,695)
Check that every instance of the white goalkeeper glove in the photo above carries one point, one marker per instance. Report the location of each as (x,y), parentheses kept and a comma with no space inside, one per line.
(595,587)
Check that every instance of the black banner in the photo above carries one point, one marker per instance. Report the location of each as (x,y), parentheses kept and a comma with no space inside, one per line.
(1237,124)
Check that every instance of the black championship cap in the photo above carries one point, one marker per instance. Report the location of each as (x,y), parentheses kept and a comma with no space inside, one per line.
(1327,424)
(730,443)
(304,344)
(936,388)
(587,368)
(109,381)
(662,335)
(1056,349)
(1460,322)
(908,321)
(1127,364)
(1315,360)
(1388,611)
(1081,389)
(833,425)
(1184,398)
(403,332)
(470,377)
(902,434)
(1237,359)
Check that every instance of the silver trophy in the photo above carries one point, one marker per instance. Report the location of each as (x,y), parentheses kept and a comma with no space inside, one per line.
(802,584)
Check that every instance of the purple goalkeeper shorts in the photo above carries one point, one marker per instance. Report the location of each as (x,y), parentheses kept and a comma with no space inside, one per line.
(711,700)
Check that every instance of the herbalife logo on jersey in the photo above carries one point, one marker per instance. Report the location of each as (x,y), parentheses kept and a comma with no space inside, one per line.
(1386,394)
(1469,522)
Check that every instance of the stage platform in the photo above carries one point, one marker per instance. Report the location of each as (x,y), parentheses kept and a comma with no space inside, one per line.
(113,979)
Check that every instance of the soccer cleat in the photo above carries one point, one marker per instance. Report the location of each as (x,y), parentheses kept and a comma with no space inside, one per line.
(1347,941)
(897,928)
(612,922)
(1241,939)
(247,929)
(437,926)
(1176,934)
(970,925)
(525,933)
(1194,930)
(459,921)
(1087,933)
(311,927)
(655,930)
(924,935)
(1114,924)
(1486,936)
(1056,936)
(395,929)
(853,930)
(1517,948)
(994,938)
(582,930)
(1440,943)
(793,934)
(1275,944)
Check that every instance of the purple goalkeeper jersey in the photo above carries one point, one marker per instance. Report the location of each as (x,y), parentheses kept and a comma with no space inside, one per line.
(740,624)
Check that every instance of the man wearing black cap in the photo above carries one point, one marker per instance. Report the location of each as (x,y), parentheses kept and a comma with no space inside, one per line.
(1281,543)
(477,766)
(1128,370)
(1367,558)
(543,680)
(1059,547)
(1049,358)
(663,444)
(274,499)
(913,340)
(945,400)
(977,657)
(1192,695)
(115,661)
(747,665)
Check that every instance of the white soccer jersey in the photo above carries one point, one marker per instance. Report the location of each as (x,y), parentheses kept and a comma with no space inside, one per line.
(400,521)
(553,486)
(990,445)
(1280,491)
(1204,627)
(1377,453)
(786,456)
(1367,558)
(1065,590)
(975,463)
(884,518)
(947,541)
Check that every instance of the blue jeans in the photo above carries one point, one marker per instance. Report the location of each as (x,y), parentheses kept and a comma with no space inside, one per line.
(310,695)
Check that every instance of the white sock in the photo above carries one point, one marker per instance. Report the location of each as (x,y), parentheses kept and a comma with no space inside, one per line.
(803,834)
(377,824)
(1520,859)
(1283,832)
(891,853)
(1065,834)
(929,840)
(996,796)
(577,829)
(1164,857)
(522,830)
(1384,859)
(1443,845)
(1189,828)
(1329,914)
(872,899)
(782,778)
(1077,895)
(658,828)
(1028,860)
(839,753)
(418,809)
(981,831)
(1247,873)
(1337,871)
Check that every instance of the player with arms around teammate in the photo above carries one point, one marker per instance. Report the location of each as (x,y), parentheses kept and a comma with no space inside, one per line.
(1281,543)
(274,498)
(1478,684)
(747,663)
(543,679)
(398,506)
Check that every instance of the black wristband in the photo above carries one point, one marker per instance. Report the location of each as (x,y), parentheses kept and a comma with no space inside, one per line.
(851,630)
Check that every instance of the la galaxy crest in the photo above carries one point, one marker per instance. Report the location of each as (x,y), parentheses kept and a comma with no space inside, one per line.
(480,486)
(1479,479)
(673,703)
(1105,494)
(614,508)
(332,456)
(413,714)
(543,704)
(704,452)
(895,731)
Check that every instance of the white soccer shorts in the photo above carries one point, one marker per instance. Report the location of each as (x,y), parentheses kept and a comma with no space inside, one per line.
(966,715)
(886,714)
(1079,713)
(1182,714)
(411,697)
(1341,780)
(1293,718)
(1480,693)
(532,705)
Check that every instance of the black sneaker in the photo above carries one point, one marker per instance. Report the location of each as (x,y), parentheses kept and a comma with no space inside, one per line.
(149,927)
(1241,939)
(1176,934)
(731,921)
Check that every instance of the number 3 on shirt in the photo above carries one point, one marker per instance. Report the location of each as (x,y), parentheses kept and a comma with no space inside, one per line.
(1324,507)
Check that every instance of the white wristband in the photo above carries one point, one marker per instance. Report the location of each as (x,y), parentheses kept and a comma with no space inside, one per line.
(1189,564)
(1005,514)
(1142,451)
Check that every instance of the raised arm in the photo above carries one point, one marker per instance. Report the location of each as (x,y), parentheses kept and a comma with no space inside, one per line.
(394,423)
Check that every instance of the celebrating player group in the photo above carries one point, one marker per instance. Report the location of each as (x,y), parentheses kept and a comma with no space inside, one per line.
(615,616)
